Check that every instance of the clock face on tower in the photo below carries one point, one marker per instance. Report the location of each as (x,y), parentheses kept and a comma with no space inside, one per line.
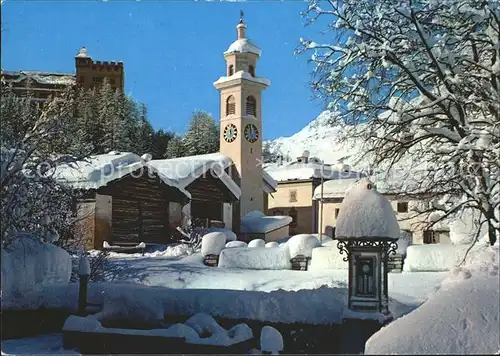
(251,133)
(230,133)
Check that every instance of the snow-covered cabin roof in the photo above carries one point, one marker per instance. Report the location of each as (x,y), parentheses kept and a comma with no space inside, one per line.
(366,213)
(185,170)
(99,170)
(258,223)
(243,75)
(40,77)
(243,45)
(310,170)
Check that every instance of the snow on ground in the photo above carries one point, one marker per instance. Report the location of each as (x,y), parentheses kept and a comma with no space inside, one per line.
(434,257)
(461,318)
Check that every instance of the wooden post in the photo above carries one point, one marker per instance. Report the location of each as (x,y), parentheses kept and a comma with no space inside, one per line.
(83,274)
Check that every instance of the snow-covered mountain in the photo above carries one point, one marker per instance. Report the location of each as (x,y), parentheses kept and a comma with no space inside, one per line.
(318,137)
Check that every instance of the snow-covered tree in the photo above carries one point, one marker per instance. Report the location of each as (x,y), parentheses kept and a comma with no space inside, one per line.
(418,82)
(202,135)
(174,148)
(31,200)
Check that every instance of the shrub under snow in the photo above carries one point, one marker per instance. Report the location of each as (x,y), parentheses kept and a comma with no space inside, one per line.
(255,258)
(271,340)
(327,257)
(213,243)
(302,244)
(230,235)
(28,263)
(272,244)
(433,257)
(257,243)
(236,244)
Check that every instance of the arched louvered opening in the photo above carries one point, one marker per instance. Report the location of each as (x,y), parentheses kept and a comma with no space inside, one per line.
(251,106)
(251,70)
(230,70)
(230,106)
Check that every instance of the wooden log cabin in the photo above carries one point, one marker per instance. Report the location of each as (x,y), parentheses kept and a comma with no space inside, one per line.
(121,200)
(214,193)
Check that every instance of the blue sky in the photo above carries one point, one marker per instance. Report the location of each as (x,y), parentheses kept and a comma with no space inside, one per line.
(172,51)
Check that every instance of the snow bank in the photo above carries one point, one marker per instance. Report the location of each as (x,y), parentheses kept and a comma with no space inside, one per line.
(257,222)
(213,243)
(271,340)
(433,257)
(167,251)
(272,244)
(302,244)
(28,263)
(366,213)
(236,244)
(255,258)
(327,257)
(230,235)
(460,319)
(257,243)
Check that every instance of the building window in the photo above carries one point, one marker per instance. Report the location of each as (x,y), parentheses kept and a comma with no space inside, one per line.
(82,79)
(293,214)
(433,236)
(230,106)
(112,81)
(293,196)
(97,79)
(251,106)
(337,211)
(230,70)
(402,207)
(251,70)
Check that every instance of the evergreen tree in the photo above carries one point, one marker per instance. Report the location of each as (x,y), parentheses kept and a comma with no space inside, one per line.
(108,117)
(144,132)
(159,143)
(175,148)
(202,136)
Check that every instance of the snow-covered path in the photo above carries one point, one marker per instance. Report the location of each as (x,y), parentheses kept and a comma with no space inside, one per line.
(410,289)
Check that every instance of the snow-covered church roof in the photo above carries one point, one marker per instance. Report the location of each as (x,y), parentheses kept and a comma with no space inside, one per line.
(99,170)
(365,213)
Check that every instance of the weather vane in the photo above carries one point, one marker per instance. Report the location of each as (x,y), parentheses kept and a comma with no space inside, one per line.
(241,16)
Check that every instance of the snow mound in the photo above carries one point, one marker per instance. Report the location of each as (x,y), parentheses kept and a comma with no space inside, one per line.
(28,263)
(366,213)
(230,235)
(236,244)
(302,244)
(131,306)
(272,244)
(433,257)
(271,340)
(255,258)
(213,243)
(327,257)
(257,243)
(178,250)
(204,324)
(461,319)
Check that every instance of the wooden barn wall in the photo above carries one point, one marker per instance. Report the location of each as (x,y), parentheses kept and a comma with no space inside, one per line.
(139,209)
(210,189)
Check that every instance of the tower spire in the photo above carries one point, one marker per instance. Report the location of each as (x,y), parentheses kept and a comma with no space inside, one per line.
(241,27)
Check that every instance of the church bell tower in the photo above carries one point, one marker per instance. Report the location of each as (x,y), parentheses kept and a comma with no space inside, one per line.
(241,118)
